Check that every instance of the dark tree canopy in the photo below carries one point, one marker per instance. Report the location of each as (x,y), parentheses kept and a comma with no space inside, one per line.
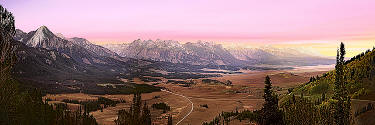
(271,115)
(136,115)
(342,104)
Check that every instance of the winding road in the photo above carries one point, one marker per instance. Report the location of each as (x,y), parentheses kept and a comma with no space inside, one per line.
(192,104)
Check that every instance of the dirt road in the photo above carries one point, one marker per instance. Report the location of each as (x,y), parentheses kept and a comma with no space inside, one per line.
(192,104)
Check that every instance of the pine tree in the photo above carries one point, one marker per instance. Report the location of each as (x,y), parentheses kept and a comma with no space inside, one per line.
(294,98)
(7,31)
(342,104)
(170,120)
(323,96)
(8,90)
(229,83)
(271,115)
(135,116)
(146,116)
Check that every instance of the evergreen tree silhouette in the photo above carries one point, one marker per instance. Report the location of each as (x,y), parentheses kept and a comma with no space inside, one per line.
(342,103)
(271,115)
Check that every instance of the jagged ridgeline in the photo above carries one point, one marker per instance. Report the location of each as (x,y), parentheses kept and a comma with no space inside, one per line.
(58,64)
(359,72)
(209,53)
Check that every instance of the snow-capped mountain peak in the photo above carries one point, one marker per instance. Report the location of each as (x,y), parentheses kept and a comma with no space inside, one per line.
(43,32)
(43,38)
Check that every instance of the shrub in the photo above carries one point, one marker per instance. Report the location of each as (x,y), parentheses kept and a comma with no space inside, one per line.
(204,105)
(161,105)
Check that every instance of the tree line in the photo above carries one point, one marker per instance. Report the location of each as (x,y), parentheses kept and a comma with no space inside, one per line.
(93,105)
(136,115)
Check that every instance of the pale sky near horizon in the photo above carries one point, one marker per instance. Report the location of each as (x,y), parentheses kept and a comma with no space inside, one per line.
(312,24)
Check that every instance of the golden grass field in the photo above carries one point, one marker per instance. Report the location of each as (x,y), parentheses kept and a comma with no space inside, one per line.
(245,93)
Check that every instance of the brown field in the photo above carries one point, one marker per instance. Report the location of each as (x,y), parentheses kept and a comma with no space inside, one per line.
(366,118)
(245,93)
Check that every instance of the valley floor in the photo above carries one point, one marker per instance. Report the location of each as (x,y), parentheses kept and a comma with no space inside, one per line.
(245,93)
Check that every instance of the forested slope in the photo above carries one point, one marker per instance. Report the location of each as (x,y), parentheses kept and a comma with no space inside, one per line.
(359,72)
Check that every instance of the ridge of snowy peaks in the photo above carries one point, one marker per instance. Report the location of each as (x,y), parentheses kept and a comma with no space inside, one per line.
(251,53)
(200,53)
(157,43)
(208,53)
(285,52)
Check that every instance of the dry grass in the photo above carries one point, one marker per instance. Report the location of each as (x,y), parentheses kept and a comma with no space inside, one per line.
(246,93)
(366,118)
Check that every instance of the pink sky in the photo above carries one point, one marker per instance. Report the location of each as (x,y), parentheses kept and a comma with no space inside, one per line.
(270,21)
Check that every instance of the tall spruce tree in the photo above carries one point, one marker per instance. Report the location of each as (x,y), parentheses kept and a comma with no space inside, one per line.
(146,116)
(342,103)
(8,90)
(7,31)
(271,115)
(169,120)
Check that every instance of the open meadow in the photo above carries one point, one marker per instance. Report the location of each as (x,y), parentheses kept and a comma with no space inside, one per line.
(209,98)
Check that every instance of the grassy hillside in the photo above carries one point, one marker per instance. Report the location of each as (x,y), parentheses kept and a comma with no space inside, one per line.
(360,78)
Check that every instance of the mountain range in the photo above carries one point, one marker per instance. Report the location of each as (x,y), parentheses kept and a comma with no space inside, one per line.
(59,64)
(67,65)
(44,38)
(200,53)
(205,53)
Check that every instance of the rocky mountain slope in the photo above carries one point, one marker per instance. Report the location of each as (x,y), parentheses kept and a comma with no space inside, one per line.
(42,38)
(58,72)
(95,48)
(75,47)
(68,65)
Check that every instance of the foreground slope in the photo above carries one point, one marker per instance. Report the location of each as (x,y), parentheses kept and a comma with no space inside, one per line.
(360,78)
